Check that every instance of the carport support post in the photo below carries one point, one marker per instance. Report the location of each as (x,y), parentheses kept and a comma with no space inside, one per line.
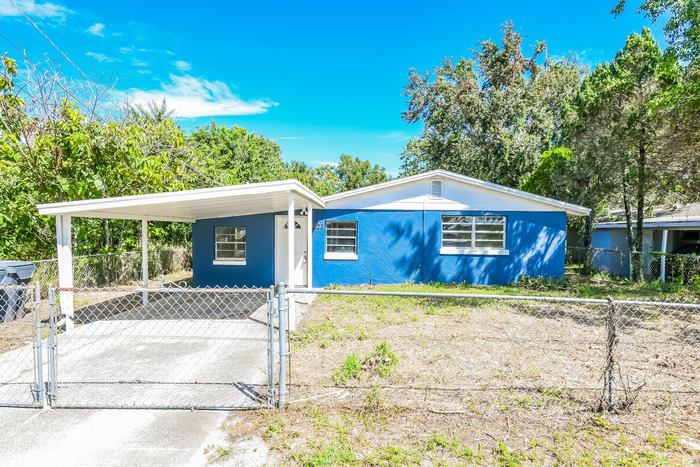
(282,310)
(290,242)
(309,246)
(65,267)
(664,242)
(144,258)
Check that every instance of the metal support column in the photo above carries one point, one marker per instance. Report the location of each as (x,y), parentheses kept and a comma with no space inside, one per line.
(282,310)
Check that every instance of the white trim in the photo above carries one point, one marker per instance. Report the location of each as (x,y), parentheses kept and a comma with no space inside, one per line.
(144,258)
(474,251)
(340,256)
(683,225)
(229,262)
(244,242)
(65,268)
(309,245)
(571,209)
(104,205)
(291,227)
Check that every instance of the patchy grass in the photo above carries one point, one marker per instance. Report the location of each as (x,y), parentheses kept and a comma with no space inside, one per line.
(357,431)
(599,285)
(428,381)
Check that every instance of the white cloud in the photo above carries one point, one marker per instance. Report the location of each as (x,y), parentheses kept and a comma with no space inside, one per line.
(136,62)
(97,29)
(182,66)
(33,9)
(100,57)
(332,164)
(291,137)
(195,97)
(396,136)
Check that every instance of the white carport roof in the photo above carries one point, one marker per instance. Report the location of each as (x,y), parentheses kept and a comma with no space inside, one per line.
(190,205)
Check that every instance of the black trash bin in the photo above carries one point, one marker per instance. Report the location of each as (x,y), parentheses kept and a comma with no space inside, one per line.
(12,299)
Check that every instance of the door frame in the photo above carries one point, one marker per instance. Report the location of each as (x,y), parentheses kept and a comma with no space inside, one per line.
(280,220)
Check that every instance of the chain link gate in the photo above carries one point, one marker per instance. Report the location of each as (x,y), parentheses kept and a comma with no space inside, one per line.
(21,353)
(166,348)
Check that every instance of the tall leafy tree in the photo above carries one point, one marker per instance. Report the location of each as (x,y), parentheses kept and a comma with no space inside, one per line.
(51,151)
(682,28)
(356,173)
(232,155)
(490,116)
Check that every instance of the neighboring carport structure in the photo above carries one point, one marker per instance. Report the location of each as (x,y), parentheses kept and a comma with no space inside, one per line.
(183,206)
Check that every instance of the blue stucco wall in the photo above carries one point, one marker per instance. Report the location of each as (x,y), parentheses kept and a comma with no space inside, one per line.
(259,270)
(392,248)
(613,254)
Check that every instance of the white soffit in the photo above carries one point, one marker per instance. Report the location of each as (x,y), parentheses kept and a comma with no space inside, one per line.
(190,205)
(395,194)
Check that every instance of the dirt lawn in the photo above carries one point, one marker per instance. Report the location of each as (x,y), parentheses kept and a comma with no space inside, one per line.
(396,381)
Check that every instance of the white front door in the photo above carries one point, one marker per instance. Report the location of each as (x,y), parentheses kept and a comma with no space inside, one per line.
(282,249)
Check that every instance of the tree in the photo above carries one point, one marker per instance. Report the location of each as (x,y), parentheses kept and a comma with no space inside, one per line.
(682,28)
(491,116)
(50,151)
(231,156)
(356,173)
(151,113)
(620,137)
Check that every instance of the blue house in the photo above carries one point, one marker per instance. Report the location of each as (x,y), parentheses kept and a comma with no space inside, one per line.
(435,226)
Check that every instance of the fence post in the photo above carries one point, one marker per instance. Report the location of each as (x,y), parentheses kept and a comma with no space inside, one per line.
(611,346)
(37,346)
(271,344)
(52,347)
(282,310)
(631,267)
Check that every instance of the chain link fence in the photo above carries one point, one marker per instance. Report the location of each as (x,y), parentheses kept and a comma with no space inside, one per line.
(160,348)
(21,354)
(113,269)
(452,352)
(668,267)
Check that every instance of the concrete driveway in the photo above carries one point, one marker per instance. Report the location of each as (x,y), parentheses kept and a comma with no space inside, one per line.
(164,355)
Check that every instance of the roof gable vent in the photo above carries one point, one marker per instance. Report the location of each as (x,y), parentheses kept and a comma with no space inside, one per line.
(436,188)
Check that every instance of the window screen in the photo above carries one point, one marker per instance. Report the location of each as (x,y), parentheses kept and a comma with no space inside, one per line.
(230,243)
(473,231)
(341,237)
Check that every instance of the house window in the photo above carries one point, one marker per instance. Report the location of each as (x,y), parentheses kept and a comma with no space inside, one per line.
(230,245)
(474,235)
(341,240)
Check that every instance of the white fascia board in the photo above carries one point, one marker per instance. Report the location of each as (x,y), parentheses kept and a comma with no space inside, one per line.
(121,215)
(106,204)
(650,225)
(571,209)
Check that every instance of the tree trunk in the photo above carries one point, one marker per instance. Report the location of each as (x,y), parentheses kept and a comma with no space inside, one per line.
(641,185)
(108,239)
(635,259)
(588,243)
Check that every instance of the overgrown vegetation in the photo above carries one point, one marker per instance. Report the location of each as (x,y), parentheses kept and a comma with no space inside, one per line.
(57,147)
(624,135)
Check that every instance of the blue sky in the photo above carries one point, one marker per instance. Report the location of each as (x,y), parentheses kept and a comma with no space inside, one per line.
(322,78)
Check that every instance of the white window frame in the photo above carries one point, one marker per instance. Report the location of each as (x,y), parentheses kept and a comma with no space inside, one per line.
(340,255)
(473,249)
(230,261)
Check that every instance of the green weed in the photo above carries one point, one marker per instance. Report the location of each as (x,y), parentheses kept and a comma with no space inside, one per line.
(349,369)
